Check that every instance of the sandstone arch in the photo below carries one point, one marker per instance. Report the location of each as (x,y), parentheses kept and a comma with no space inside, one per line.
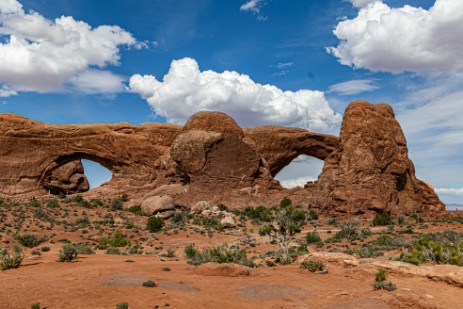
(279,146)
(366,169)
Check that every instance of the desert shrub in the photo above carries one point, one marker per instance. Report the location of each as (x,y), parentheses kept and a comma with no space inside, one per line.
(136,210)
(283,228)
(223,207)
(149,284)
(381,283)
(123,305)
(124,197)
(117,204)
(181,217)
(368,252)
(312,215)
(83,248)
(117,240)
(136,249)
(382,219)
(34,202)
(332,221)
(29,240)
(52,204)
(313,238)
(68,253)
(35,306)
(285,202)
(417,217)
(217,254)
(436,248)
(82,222)
(258,214)
(96,202)
(190,251)
(313,265)
(113,251)
(170,253)
(350,229)
(8,260)
(298,250)
(366,232)
(40,214)
(45,249)
(154,224)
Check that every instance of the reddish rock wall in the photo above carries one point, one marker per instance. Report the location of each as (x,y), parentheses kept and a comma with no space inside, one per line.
(211,158)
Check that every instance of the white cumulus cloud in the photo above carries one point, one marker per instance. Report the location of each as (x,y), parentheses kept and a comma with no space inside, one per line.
(6,91)
(408,38)
(39,54)
(361,3)
(185,90)
(354,87)
(455,191)
(296,182)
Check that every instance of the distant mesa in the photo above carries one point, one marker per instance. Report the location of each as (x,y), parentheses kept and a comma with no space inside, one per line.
(366,170)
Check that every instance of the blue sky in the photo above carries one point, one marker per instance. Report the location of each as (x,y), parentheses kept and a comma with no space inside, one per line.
(292,63)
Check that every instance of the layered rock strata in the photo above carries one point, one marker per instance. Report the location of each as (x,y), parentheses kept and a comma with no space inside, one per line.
(212,159)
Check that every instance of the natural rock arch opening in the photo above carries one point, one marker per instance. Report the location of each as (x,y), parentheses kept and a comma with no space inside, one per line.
(96,173)
(299,171)
(67,174)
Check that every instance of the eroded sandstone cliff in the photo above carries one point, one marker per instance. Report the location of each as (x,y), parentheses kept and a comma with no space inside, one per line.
(211,158)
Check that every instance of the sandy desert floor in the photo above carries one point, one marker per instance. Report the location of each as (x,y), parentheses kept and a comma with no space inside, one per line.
(102,280)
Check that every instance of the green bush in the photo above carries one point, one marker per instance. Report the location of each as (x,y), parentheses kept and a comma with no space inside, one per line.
(123,305)
(436,248)
(52,204)
(313,265)
(29,240)
(117,240)
(285,202)
(136,210)
(45,249)
(117,205)
(381,283)
(258,214)
(35,306)
(149,284)
(313,215)
(8,261)
(83,248)
(350,229)
(332,221)
(113,251)
(68,253)
(313,238)
(368,252)
(218,254)
(154,224)
(382,219)
(191,251)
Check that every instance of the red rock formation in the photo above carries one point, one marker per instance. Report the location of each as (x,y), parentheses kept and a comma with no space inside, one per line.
(212,159)
(371,171)
(68,178)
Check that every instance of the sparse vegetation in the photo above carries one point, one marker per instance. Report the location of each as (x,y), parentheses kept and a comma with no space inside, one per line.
(154,224)
(8,260)
(218,254)
(29,240)
(123,305)
(149,284)
(382,219)
(68,253)
(436,248)
(381,283)
(314,265)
